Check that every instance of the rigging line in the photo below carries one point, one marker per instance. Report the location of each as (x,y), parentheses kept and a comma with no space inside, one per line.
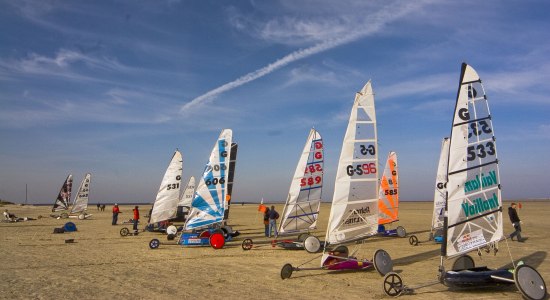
(311,260)
(510,253)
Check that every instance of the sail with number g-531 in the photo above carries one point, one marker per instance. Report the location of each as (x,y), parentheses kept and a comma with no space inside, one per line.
(474,203)
(388,205)
(354,213)
(80,203)
(209,201)
(440,188)
(166,203)
(64,196)
(304,196)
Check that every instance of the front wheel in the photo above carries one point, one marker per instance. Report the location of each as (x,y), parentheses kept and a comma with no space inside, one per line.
(413,240)
(529,282)
(124,231)
(286,271)
(247,244)
(393,284)
(154,244)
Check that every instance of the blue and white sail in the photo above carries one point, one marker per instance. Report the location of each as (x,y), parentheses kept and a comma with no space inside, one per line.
(209,202)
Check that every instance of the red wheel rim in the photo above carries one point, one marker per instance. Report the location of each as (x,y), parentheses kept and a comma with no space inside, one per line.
(217,241)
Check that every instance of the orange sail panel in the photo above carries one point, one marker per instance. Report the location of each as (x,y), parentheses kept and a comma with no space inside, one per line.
(388,200)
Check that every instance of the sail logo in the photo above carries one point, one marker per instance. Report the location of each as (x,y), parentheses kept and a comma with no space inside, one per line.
(484,181)
(357,216)
(480,206)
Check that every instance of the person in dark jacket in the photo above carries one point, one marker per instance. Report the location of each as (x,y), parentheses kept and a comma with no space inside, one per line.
(273,216)
(514,218)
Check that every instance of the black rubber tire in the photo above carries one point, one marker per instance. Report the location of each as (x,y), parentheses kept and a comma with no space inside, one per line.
(124,231)
(286,271)
(413,240)
(247,244)
(154,244)
(529,282)
(393,284)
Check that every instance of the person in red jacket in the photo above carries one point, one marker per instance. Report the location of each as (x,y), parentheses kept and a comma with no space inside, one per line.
(136,217)
(116,211)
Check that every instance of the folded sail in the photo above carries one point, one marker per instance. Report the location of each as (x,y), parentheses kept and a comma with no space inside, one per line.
(187,196)
(80,203)
(354,213)
(64,196)
(209,201)
(304,197)
(474,203)
(388,205)
(440,187)
(166,203)
(230,176)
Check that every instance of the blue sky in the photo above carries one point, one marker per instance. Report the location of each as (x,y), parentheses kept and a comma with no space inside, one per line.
(114,87)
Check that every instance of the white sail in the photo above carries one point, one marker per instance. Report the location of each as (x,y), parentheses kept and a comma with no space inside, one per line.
(388,204)
(64,196)
(166,203)
(474,203)
(187,195)
(304,197)
(80,203)
(209,201)
(354,213)
(440,187)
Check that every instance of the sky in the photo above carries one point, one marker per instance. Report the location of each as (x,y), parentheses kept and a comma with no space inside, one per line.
(114,87)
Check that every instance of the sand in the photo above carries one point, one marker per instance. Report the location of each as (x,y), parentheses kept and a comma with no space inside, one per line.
(100,264)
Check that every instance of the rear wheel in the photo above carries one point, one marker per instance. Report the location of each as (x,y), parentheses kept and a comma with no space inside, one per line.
(393,284)
(247,244)
(154,244)
(413,240)
(124,231)
(382,262)
(312,244)
(463,262)
(401,232)
(286,271)
(529,282)
(216,240)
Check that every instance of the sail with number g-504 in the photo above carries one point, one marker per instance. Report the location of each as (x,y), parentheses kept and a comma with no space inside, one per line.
(474,203)
(440,187)
(304,196)
(64,196)
(80,203)
(354,213)
(388,205)
(166,203)
(209,202)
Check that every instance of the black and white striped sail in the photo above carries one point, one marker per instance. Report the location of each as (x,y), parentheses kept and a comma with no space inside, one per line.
(64,196)
(166,203)
(80,203)
(474,203)
(304,196)
(440,193)
(354,212)
(187,196)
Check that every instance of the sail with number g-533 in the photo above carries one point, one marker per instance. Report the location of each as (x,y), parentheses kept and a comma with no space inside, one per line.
(80,203)
(166,203)
(474,203)
(64,196)
(354,213)
(187,196)
(304,196)
(209,201)
(388,205)
(440,188)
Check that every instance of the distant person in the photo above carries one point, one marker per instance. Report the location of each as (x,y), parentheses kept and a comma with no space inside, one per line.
(266,221)
(136,217)
(98,207)
(273,216)
(116,211)
(102,207)
(514,218)
(8,217)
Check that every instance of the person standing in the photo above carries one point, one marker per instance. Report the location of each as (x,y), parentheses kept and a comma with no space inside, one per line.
(136,217)
(266,221)
(116,211)
(516,222)
(98,206)
(273,216)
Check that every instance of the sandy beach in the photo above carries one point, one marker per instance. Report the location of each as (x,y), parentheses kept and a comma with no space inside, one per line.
(100,264)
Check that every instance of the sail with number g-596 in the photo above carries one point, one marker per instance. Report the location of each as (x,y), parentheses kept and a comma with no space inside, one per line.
(64,196)
(474,203)
(354,213)
(209,202)
(166,203)
(80,203)
(304,196)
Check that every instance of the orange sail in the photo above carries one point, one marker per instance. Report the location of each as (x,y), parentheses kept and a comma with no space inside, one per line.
(388,199)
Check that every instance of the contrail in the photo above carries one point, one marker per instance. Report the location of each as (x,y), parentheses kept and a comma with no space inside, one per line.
(381,18)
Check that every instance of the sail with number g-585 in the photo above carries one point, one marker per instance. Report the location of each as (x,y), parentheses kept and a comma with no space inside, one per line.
(304,196)
(354,213)
(440,187)
(209,202)
(80,203)
(388,205)
(166,203)
(474,203)
(64,196)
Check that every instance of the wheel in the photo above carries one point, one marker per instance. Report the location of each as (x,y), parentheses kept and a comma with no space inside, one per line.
(81,216)
(216,240)
(64,215)
(463,262)
(124,231)
(401,232)
(247,244)
(341,251)
(171,230)
(529,282)
(312,244)
(286,271)
(413,240)
(382,262)
(154,244)
(393,284)
(170,237)
(302,237)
